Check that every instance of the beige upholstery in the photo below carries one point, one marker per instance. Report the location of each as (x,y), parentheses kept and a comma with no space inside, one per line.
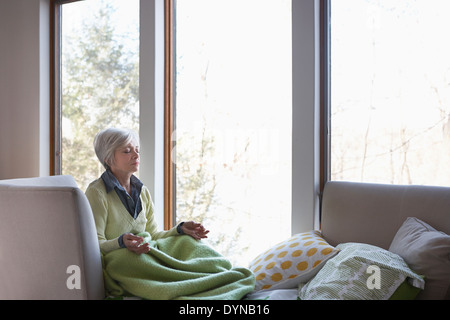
(46,228)
(372,213)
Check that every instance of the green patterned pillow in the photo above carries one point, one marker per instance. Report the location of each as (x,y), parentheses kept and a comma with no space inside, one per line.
(360,272)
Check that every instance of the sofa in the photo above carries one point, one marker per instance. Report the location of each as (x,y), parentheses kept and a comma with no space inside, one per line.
(48,241)
(374,242)
(49,247)
(381,215)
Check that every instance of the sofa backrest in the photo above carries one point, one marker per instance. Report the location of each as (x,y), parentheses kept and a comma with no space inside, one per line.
(50,181)
(373,213)
(48,241)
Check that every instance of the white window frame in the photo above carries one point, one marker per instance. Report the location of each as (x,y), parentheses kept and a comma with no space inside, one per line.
(306,109)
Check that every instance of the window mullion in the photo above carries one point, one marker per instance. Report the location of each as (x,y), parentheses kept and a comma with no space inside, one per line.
(168,114)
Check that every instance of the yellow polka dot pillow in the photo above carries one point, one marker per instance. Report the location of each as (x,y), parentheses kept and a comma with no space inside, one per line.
(291,262)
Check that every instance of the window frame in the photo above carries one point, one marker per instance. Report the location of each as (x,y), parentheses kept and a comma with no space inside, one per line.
(325,85)
(321,53)
(321,158)
(55,86)
(169,116)
(326,107)
(55,138)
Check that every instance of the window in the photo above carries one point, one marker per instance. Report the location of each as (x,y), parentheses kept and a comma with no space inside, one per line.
(390,91)
(99,79)
(233,121)
(241,147)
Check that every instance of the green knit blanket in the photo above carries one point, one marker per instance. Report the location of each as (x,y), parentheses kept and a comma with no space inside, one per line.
(177,267)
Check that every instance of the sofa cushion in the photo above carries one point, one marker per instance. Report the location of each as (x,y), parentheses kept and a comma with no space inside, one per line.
(360,271)
(295,260)
(426,251)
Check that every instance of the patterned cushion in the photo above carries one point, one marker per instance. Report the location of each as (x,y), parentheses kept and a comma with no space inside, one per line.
(360,271)
(291,262)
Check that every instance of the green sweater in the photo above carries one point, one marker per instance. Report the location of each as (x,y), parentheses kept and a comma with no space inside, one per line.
(112,218)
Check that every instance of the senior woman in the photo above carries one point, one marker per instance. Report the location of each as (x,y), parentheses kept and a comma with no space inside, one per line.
(138,259)
(121,204)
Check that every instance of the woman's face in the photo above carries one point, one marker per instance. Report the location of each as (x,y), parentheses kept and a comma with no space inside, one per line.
(126,159)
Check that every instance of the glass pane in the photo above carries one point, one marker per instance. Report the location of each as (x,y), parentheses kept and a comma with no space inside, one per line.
(233,121)
(100,78)
(390,91)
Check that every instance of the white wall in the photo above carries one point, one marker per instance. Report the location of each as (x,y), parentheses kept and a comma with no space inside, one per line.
(24,91)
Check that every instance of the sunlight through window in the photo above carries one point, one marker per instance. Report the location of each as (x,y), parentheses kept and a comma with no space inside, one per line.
(233,121)
(390,91)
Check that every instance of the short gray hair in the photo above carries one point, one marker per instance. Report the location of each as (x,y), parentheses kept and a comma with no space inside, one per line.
(107,141)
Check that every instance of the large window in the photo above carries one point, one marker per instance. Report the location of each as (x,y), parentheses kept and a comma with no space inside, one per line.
(232,113)
(98,77)
(233,123)
(390,91)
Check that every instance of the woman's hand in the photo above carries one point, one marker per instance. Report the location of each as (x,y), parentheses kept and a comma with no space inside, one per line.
(135,243)
(195,230)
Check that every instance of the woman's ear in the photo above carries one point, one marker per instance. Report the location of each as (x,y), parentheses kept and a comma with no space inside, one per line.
(108,164)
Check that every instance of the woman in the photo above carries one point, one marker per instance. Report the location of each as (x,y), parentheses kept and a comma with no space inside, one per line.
(118,191)
(155,264)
